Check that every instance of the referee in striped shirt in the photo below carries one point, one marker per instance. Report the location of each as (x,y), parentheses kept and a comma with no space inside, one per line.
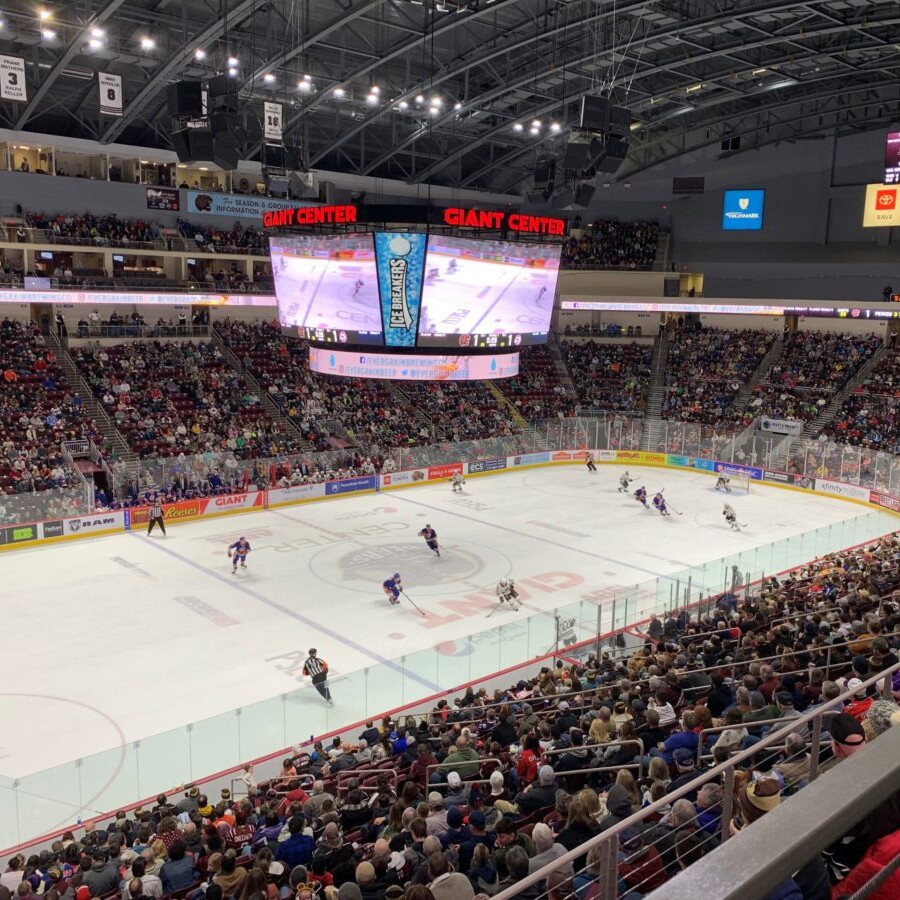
(156,517)
(317,670)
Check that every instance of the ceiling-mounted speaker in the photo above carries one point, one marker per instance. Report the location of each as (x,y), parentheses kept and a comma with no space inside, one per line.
(544,172)
(181,144)
(185,99)
(536,198)
(226,151)
(583,195)
(613,157)
(220,122)
(594,113)
(221,85)
(278,184)
(619,121)
(564,198)
(575,157)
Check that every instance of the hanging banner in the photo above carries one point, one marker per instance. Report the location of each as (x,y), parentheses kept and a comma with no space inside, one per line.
(400,258)
(110,94)
(12,79)
(272,122)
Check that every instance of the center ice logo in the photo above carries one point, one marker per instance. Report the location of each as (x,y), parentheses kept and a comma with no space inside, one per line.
(400,315)
(371,564)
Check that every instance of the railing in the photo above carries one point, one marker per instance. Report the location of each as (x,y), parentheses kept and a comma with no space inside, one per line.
(605,846)
(139,330)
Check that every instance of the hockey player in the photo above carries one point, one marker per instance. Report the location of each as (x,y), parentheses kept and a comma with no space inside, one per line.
(507,593)
(431,540)
(589,461)
(659,502)
(722,483)
(452,266)
(237,553)
(731,517)
(565,631)
(641,496)
(457,481)
(392,587)
(624,482)
(360,284)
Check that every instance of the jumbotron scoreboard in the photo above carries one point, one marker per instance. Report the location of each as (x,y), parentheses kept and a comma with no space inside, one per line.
(414,292)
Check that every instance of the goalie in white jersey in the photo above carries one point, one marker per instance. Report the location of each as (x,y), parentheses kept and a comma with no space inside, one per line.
(723,483)
(457,482)
(507,593)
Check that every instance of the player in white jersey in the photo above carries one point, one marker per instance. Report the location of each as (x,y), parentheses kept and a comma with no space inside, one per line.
(507,593)
(722,484)
(456,482)
(624,482)
(731,517)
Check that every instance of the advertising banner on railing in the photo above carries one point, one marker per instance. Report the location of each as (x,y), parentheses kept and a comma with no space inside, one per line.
(839,489)
(95,523)
(205,506)
(445,471)
(752,471)
(781,426)
(792,478)
(295,492)
(351,485)
(392,479)
(884,500)
(529,459)
(486,465)
(242,205)
(20,534)
(641,456)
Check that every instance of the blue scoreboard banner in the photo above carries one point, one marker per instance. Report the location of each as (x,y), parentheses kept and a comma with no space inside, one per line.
(400,258)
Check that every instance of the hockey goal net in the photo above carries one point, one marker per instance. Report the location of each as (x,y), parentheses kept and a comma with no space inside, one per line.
(738,481)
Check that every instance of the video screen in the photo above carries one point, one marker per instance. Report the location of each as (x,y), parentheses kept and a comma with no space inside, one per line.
(892,158)
(487,293)
(412,366)
(326,286)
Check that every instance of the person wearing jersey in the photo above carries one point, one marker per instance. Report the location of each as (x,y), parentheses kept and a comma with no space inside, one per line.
(317,670)
(392,587)
(660,503)
(641,496)
(156,516)
(431,541)
(237,552)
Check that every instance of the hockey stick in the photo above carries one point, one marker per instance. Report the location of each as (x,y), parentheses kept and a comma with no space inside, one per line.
(499,604)
(675,510)
(419,611)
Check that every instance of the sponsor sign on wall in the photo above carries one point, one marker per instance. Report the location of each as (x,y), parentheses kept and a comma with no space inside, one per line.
(839,489)
(791,478)
(487,465)
(53,529)
(296,492)
(351,485)
(641,456)
(731,468)
(743,210)
(884,500)
(392,479)
(241,205)
(94,523)
(444,471)
(21,534)
(529,459)
(882,206)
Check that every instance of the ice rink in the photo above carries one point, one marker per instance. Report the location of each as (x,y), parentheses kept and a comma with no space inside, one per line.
(117,638)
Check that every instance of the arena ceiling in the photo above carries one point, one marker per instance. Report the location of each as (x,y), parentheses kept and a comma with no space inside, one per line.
(693,74)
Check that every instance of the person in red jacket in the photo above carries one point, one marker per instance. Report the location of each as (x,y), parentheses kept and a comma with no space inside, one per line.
(640,866)
(529,760)
(876,858)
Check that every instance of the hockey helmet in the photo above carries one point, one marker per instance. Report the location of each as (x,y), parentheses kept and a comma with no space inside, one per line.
(396,575)
(504,582)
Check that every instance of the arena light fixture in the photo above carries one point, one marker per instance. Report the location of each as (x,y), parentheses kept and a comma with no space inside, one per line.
(44,14)
(533,131)
(375,90)
(95,43)
(147,43)
(420,98)
(48,34)
(233,61)
(403,105)
(372,99)
(518,126)
(339,92)
(232,71)
(304,86)
(307,77)
(200,54)
(269,78)
(98,33)
(555,126)
(457,106)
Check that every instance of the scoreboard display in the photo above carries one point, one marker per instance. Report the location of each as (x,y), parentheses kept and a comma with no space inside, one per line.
(404,290)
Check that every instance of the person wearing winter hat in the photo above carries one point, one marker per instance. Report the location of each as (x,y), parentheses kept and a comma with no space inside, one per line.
(457,793)
(883,714)
(757,798)
(498,791)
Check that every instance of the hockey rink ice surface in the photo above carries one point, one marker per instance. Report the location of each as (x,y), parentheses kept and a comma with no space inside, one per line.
(117,638)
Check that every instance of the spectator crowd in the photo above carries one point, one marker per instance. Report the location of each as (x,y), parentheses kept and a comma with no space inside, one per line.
(608,244)
(494,786)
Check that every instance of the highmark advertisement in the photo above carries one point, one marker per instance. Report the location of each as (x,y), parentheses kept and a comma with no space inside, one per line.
(400,258)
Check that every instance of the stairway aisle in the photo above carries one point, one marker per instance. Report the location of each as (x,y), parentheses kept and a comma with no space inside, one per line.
(656,391)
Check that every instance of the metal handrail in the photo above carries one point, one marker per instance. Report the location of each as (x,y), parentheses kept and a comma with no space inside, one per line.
(724,772)
(350,774)
(479,762)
